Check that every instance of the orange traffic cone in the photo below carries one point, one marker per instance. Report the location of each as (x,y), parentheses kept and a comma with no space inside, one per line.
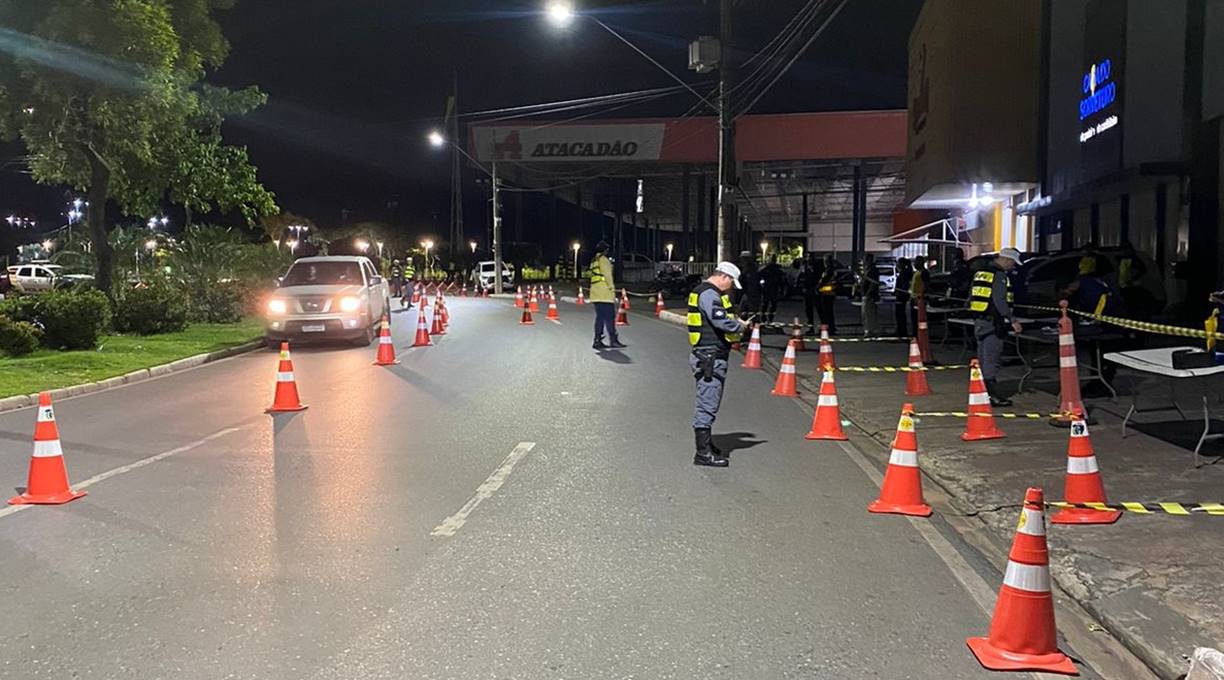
(1022,632)
(445,312)
(659,304)
(533,302)
(785,386)
(1083,483)
(826,361)
(438,327)
(916,380)
(924,335)
(286,398)
(752,358)
(624,299)
(48,480)
(526,319)
(422,332)
(981,423)
(797,336)
(518,297)
(1068,372)
(826,422)
(552,308)
(901,493)
(622,317)
(386,348)
(581,300)
(416,295)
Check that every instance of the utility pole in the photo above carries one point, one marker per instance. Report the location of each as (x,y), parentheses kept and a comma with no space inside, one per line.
(728,213)
(457,231)
(497,228)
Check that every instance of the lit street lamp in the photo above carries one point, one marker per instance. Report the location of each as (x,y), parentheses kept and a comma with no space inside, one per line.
(436,139)
(380,248)
(764,249)
(362,245)
(293,244)
(577,246)
(669,248)
(428,245)
(473,245)
(48,245)
(560,13)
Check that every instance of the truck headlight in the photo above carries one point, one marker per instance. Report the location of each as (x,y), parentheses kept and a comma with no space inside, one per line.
(349,304)
(277,306)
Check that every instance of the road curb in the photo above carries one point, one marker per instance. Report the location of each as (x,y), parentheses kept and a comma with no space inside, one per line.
(19,402)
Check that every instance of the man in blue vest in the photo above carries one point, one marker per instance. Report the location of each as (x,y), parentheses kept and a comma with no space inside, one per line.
(712,328)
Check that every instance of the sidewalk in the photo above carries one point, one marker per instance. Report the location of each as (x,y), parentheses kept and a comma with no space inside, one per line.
(1155,581)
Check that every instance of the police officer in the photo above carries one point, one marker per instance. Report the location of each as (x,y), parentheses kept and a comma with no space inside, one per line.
(712,327)
(990,301)
(397,278)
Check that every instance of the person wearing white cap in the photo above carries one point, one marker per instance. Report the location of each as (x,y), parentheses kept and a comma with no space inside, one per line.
(990,304)
(712,328)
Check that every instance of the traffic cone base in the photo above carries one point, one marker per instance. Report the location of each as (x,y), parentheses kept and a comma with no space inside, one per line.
(996,659)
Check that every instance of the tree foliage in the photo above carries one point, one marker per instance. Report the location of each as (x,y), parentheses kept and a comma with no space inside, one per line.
(108,96)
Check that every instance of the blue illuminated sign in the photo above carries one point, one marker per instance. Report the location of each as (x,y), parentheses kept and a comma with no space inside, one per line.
(1100,90)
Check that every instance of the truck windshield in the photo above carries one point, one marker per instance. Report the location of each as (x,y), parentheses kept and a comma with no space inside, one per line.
(323,274)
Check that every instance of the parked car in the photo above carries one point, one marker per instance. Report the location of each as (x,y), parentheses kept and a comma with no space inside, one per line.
(484,272)
(1043,280)
(38,277)
(339,297)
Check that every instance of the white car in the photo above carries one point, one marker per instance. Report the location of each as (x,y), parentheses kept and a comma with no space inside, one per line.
(325,298)
(485,272)
(40,277)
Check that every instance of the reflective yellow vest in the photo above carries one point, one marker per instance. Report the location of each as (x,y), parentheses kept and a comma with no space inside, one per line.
(979,295)
(702,334)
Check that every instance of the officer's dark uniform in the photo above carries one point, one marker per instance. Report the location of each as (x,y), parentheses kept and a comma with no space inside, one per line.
(397,279)
(712,328)
(990,301)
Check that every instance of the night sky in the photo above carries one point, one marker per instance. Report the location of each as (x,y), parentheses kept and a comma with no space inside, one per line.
(354,85)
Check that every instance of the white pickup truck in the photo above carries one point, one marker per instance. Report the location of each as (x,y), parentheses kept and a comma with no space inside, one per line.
(38,277)
(323,298)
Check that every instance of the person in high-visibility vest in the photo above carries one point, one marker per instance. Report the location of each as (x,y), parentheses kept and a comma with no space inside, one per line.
(826,287)
(990,305)
(712,329)
(603,298)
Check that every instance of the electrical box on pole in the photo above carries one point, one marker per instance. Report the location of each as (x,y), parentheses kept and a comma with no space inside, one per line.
(704,54)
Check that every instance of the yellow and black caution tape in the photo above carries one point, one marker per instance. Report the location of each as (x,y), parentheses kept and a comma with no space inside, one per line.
(1146,508)
(901,369)
(1208,332)
(963,414)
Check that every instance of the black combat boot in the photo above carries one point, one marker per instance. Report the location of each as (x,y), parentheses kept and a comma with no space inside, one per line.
(704,455)
(992,388)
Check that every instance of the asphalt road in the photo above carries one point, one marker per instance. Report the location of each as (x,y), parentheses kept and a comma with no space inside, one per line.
(506,504)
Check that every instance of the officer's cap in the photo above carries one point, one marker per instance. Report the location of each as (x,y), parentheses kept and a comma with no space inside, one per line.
(730,270)
(1011,254)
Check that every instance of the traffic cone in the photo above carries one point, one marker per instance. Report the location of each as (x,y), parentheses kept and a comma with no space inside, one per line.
(552,308)
(1068,373)
(826,361)
(901,493)
(286,398)
(463,292)
(1022,632)
(581,300)
(625,299)
(518,297)
(534,301)
(445,312)
(47,483)
(386,348)
(981,423)
(622,317)
(1083,482)
(797,336)
(416,295)
(659,304)
(551,294)
(916,380)
(752,358)
(924,335)
(526,319)
(422,332)
(438,327)
(785,385)
(826,421)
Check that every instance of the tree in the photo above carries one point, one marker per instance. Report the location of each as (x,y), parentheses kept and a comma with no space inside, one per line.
(107,96)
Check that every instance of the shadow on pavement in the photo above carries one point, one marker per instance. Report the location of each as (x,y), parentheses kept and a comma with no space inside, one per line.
(737,441)
(615,356)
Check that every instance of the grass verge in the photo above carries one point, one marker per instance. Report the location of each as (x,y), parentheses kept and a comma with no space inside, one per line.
(117,355)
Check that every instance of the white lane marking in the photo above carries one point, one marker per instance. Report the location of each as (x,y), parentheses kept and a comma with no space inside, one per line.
(451,524)
(13,509)
(556,322)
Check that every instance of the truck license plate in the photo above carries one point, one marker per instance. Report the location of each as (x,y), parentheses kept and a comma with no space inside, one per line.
(313,328)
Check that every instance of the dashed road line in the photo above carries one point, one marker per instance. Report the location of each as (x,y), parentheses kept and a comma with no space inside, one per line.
(452,524)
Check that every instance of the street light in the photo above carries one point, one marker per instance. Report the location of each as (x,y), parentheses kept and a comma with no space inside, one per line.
(48,245)
(151,245)
(362,245)
(577,246)
(428,245)
(380,247)
(436,140)
(560,13)
(473,245)
(669,248)
(293,244)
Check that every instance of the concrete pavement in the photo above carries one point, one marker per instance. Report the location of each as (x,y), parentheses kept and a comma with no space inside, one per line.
(219,542)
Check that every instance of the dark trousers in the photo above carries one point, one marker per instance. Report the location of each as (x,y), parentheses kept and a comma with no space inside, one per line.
(826,312)
(901,314)
(605,321)
(809,308)
(770,308)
